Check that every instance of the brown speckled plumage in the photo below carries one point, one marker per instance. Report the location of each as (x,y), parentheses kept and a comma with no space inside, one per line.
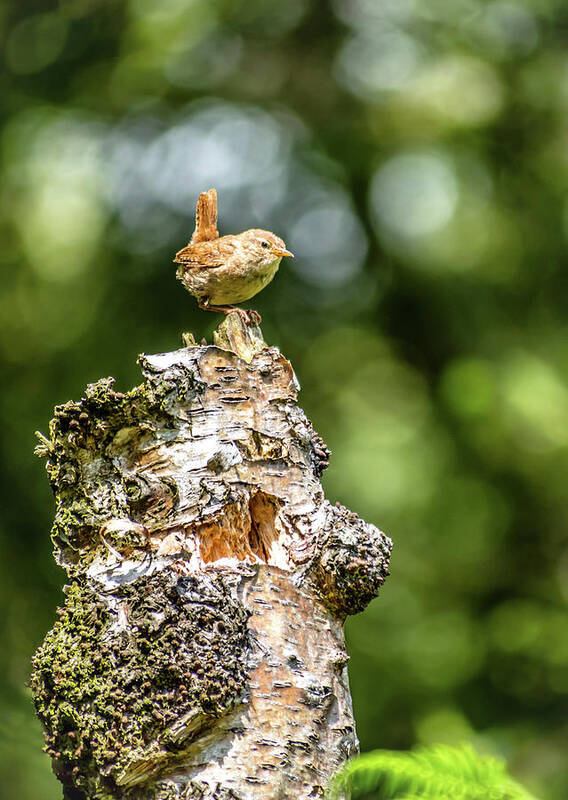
(220,271)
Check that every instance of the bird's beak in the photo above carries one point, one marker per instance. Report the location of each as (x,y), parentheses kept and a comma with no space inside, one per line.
(283,253)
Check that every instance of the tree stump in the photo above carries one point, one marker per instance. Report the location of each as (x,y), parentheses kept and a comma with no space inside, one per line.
(200,651)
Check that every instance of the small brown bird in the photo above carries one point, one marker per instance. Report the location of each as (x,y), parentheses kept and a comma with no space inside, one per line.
(220,271)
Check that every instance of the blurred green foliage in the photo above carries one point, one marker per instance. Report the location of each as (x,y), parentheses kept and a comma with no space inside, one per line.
(438,772)
(413,154)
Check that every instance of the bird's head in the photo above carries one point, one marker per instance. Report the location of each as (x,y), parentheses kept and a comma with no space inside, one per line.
(264,247)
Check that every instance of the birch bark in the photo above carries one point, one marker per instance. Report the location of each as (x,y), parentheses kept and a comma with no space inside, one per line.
(200,651)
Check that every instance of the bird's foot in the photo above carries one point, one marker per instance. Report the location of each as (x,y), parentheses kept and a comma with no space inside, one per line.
(243,314)
(249,317)
(253,317)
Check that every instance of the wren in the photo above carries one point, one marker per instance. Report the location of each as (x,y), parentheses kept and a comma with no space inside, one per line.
(221,271)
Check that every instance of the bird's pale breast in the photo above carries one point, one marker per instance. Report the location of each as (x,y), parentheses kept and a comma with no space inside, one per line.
(233,282)
(227,286)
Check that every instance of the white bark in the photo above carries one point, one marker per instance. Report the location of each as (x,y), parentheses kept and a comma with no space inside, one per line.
(200,652)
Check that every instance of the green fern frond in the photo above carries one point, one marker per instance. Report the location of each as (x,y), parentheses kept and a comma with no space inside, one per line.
(429,773)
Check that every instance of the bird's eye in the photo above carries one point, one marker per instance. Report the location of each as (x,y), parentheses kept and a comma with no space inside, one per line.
(264,243)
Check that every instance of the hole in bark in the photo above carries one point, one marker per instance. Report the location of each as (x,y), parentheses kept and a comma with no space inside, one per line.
(225,536)
(244,530)
(262,509)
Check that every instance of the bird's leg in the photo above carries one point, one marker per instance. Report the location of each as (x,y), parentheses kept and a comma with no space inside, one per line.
(249,317)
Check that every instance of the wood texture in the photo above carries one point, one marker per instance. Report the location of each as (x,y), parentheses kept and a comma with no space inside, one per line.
(200,651)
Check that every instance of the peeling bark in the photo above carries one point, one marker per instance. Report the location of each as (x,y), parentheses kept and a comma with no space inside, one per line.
(200,651)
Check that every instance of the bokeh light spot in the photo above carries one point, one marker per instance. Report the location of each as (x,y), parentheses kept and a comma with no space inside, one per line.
(329,243)
(506,29)
(35,43)
(204,64)
(459,90)
(443,726)
(387,61)
(468,386)
(536,403)
(414,194)
(446,649)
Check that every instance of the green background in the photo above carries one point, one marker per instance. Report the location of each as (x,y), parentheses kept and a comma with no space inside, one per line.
(414,156)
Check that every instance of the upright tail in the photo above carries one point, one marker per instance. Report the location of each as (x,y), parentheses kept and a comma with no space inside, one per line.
(206,217)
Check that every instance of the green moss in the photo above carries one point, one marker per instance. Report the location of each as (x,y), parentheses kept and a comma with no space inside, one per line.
(116,672)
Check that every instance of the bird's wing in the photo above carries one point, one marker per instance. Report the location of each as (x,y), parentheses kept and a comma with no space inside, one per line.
(204,255)
(206,218)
